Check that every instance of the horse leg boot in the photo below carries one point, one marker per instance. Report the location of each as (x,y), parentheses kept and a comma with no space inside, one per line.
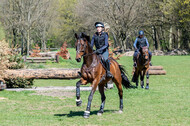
(103,98)
(90,97)
(108,73)
(78,100)
(147,80)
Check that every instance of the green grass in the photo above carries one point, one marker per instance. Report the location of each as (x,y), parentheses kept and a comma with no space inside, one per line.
(166,103)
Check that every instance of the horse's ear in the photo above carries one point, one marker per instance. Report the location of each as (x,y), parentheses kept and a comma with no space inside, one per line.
(83,35)
(88,38)
(76,36)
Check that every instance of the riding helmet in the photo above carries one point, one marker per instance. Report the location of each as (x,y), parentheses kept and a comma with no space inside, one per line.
(141,32)
(99,24)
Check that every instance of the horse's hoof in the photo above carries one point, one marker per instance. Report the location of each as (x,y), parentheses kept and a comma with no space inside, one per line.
(147,87)
(78,102)
(100,113)
(120,111)
(86,114)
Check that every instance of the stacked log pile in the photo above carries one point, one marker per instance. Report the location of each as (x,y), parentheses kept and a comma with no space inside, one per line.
(156,70)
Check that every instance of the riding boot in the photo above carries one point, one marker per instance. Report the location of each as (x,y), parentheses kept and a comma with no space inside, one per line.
(108,73)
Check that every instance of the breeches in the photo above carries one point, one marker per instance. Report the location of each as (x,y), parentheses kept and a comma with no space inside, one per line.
(105,55)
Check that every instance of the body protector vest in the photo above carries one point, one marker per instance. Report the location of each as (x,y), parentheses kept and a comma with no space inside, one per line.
(141,42)
(99,41)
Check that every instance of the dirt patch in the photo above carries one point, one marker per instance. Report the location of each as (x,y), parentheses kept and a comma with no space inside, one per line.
(2,98)
(56,93)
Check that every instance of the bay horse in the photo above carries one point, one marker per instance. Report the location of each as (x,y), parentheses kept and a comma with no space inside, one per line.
(93,71)
(142,67)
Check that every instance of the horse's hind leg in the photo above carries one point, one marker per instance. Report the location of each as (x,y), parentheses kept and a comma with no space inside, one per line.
(120,92)
(103,98)
(147,80)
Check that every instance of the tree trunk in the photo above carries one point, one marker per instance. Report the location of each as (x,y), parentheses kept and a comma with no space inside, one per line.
(170,37)
(154,36)
(28,42)
(42,73)
(179,38)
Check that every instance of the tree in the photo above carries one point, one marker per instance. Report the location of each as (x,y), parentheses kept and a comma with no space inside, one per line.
(21,18)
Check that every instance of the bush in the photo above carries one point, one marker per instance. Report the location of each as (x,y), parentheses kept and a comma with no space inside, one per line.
(15,62)
(19,83)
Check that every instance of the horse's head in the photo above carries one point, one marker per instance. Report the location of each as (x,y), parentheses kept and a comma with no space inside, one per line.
(144,52)
(81,45)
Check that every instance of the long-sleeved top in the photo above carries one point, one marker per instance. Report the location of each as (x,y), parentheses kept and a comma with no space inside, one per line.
(140,42)
(100,41)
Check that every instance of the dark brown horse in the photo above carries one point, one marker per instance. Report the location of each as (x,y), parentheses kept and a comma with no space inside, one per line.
(142,67)
(93,71)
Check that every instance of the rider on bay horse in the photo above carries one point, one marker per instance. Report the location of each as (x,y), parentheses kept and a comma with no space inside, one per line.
(100,39)
(141,41)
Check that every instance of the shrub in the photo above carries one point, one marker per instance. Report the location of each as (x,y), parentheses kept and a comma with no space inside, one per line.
(19,83)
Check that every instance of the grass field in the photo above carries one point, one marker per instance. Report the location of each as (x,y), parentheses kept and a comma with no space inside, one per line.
(166,103)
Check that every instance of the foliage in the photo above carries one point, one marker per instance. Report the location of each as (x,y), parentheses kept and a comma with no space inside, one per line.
(19,83)
(17,62)
(2,34)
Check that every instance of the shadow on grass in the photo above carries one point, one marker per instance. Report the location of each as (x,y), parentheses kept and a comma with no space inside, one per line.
(80,113)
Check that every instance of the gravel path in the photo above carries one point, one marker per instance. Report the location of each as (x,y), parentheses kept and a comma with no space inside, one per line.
(50,88)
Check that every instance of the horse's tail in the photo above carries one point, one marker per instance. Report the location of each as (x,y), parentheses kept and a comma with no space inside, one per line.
(125,81)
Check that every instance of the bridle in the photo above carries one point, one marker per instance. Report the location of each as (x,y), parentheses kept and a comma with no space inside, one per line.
(143,56)
(79,46)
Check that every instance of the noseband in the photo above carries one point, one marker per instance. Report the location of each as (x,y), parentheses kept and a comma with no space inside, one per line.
(79,46)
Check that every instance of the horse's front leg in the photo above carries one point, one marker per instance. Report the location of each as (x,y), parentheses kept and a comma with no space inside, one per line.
(142,73)
(103,98)
(78,100)
(147,79)
(90,97)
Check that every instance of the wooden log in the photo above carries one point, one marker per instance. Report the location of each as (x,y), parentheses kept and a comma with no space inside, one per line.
(156,68)
(53,73)
(40,59)
(157,72)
